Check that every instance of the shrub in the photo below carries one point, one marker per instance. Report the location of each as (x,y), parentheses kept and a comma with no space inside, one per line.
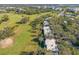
(5,18)
(6,32)
(23,20)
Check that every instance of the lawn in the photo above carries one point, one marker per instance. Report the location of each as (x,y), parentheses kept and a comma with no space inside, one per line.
(22,39)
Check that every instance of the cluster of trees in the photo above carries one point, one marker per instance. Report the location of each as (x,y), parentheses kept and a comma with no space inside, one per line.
(3,11)
(23,20)
(9,9)
(39,51)
(6,32)
(27,10)
(33,10)
(65,30)
(5,18)
(37,25)
(36,22)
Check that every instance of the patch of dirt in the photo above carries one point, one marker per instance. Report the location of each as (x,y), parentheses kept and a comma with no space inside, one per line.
(6,43)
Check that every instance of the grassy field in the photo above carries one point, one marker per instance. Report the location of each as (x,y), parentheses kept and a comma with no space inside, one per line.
(22,39)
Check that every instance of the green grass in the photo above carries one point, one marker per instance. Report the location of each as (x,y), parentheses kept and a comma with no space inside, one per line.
(22,39)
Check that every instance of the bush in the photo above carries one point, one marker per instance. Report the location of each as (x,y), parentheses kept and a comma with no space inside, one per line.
(6,32)
(5,18)
(23,20)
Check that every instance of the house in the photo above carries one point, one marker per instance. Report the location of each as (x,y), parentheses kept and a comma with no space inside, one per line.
(50,42)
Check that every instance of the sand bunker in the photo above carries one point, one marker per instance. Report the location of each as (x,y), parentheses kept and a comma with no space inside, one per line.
(6,43)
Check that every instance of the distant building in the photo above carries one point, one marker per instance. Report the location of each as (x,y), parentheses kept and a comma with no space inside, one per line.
(74,9)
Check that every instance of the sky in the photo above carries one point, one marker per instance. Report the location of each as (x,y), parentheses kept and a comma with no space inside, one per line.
(39,1)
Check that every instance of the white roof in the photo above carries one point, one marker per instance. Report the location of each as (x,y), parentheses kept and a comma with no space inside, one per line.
(50,43)
(46,30)
(46,23)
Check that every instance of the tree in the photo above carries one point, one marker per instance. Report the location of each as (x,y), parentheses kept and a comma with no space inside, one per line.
(5,18)
(23,20)
(40,51)
(6,32)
